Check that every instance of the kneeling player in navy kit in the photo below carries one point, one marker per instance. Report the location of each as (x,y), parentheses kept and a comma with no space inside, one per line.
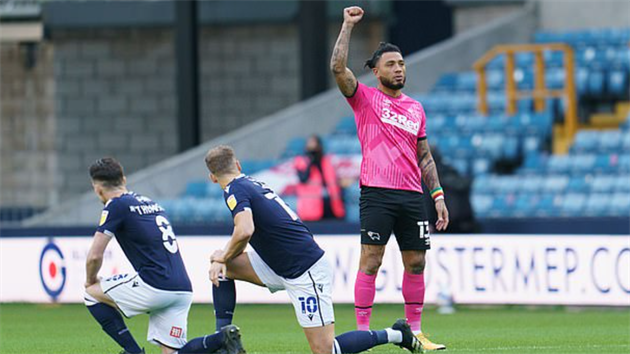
(160,285)
(285,257)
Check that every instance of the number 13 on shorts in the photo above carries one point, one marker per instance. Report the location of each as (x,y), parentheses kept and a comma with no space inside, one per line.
(424,231)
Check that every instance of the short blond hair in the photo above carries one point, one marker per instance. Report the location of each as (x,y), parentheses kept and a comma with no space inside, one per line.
(221,160)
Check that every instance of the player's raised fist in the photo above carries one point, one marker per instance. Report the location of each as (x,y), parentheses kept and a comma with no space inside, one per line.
(352,14)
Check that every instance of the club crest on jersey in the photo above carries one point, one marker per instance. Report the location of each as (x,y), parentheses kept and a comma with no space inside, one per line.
(231,202)
(103,217)
(176,332)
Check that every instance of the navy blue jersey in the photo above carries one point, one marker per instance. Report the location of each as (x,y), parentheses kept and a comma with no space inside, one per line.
(280,237)
(146,237)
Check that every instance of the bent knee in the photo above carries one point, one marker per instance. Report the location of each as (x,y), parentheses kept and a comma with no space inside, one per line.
(88,298)
(323,347)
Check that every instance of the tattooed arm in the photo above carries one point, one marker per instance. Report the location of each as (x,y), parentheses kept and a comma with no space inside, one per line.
(431,179)
(346,80)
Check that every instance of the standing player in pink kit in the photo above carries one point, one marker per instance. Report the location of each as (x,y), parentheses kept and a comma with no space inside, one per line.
(396,158)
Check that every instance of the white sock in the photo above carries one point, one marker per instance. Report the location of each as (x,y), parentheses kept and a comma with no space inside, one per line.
(393,336)
(336,349)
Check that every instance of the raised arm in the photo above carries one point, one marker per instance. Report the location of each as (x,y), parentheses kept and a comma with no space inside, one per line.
(431,179)
(346,80)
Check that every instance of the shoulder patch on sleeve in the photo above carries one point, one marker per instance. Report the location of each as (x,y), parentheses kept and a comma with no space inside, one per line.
(231,202)
(103,217)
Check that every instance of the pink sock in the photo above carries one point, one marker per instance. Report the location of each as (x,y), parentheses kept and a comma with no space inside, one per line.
(413,293)
(364,290)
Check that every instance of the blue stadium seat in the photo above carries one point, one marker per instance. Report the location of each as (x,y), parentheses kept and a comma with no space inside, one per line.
(484,185)
(467,81)
(581,80)
(346,126)
(620,205)
(555,184)
(196,189)
(531,184)
(596,81)
(597,204)
(622,184)
(583,163)
(534,163)
(617,82)
(573,204)
(524,205)
(554,78)
(531,145)
(578,184)
(508,184)
(524,79)
(352,194)
(495,79)
(558,164)
(603,184)
(352,213)
(343,145)
(625,141)
(291,201)
(610,141)
(481,166)
(624,163)
(585,141)
(295,147)
(482,204)
(446,82)
(435,123)
(547,205)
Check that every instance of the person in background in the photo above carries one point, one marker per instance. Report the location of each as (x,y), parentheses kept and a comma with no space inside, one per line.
(318,193)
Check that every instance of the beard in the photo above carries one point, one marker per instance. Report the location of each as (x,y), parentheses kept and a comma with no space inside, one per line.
(391,85)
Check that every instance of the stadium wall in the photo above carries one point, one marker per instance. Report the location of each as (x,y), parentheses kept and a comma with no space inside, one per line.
(27,126)
(319,115)
(111,91)
(578,14)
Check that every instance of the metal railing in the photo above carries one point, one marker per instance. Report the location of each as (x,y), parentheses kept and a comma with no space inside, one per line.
(539,93)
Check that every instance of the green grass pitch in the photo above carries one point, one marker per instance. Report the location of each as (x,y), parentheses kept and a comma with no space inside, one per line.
(28,328)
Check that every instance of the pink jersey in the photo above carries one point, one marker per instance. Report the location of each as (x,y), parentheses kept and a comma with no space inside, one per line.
(388,129)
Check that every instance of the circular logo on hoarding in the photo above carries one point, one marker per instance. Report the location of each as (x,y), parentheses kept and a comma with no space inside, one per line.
(52,270)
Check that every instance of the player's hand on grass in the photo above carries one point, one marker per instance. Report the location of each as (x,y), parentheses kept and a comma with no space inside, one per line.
(352,15)
(442,215)
(217,271)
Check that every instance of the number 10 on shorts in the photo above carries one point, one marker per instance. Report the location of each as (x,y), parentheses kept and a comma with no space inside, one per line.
(309,304)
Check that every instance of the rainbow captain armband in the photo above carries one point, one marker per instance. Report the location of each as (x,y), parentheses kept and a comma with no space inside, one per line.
(437,194)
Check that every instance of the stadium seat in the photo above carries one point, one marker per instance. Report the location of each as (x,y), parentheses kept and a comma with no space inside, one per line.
(555,184)
(196,189)
(620,205)
(579,184)
(622,184)
(597,204)
(603,184)
(295,147)
(346,126)
(352,213)
(573,204)
(617,82)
